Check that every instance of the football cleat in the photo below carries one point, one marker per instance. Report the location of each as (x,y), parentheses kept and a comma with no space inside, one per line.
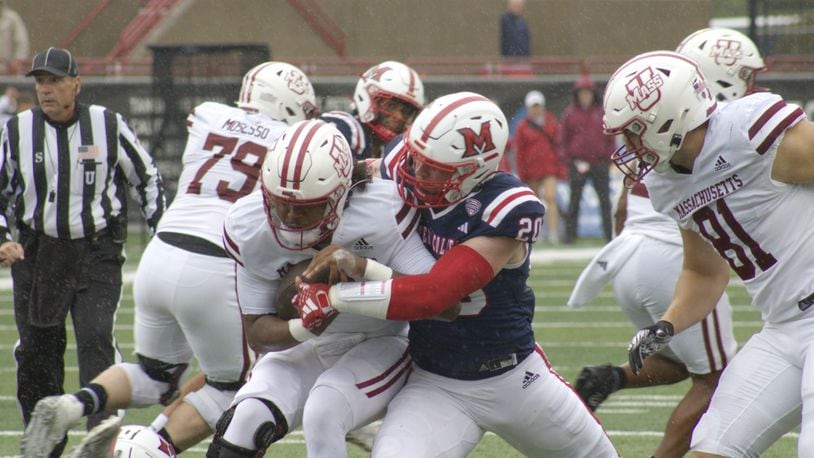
(99,441)
(52,418)
(595,384)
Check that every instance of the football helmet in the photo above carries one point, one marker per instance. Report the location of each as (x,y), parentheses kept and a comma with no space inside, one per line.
(135,441)
(654,99)
(279,90)
(728,59)
(380,89)
(452,146)
(305,180)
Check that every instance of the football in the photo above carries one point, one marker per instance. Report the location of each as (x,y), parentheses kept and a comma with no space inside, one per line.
(287,290)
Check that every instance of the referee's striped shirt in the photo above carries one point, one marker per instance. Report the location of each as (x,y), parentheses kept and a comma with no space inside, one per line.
(68,180)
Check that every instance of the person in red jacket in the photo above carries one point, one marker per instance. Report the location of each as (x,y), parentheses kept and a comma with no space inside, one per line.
(586,150)
(537,159)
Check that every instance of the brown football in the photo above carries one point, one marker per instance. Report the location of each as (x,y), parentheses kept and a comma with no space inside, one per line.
(287,289)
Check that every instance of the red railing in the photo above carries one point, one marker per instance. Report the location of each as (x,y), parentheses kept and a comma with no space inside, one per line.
(136,31)
(84,24)
(330,32)
(487,67)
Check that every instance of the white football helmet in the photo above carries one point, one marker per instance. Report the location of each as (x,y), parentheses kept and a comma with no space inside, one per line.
(728,59)
(135,441)
(279,90)
(306,176)
(379,87)
(654,99)
(452,146)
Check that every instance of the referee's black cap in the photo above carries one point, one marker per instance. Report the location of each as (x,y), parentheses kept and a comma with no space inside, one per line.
(56,61)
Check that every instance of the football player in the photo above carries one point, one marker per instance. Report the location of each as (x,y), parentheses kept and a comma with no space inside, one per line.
(737,177)
(314,193)
(643,264)
(184,289)
(387,98)
(482,371)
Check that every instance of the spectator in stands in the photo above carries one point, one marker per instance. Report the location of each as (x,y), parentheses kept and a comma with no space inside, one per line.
(537,157)
(14,46)
(586,150)
(515,39)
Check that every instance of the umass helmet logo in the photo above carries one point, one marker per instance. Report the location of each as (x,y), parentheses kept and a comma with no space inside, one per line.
(297,83)
(476,143)
(726,52)
(643,89)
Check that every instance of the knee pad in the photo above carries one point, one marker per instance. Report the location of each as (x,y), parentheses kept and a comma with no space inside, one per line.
(162,372)
(210,403)
(249,428)
(220,448)
(145,391)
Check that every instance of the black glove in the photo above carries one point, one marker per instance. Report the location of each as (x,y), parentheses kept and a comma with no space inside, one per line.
(647,341)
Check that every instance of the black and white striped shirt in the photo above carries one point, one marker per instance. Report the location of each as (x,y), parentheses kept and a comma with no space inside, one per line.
(69,180)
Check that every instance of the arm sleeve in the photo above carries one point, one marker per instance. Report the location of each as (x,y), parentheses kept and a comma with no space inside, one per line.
(142,174)
(458,273)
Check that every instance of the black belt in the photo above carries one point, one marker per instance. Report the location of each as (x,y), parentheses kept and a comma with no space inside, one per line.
(192,243)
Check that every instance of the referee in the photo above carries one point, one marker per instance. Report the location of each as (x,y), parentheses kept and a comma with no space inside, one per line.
(65,171)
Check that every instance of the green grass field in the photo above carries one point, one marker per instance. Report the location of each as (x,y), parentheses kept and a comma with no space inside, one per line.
(572,339)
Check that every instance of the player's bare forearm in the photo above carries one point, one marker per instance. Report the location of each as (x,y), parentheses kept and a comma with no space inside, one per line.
(266,333)
(702,281)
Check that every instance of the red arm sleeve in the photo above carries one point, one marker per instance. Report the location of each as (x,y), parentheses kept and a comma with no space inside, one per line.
(458,273)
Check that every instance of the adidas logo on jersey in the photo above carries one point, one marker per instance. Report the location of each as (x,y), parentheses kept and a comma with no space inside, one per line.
(464,228)
(529,378)
(362,245)
(602,264)
(721,164)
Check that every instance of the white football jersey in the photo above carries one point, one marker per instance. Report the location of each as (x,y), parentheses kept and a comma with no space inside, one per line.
(221,163)
(376,225)
(643,219)
(763,228)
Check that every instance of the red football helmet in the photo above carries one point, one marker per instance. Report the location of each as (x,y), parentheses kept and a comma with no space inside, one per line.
(306,176)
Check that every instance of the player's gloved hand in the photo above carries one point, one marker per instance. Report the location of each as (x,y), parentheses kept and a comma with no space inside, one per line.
(647,341)
(313,304)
